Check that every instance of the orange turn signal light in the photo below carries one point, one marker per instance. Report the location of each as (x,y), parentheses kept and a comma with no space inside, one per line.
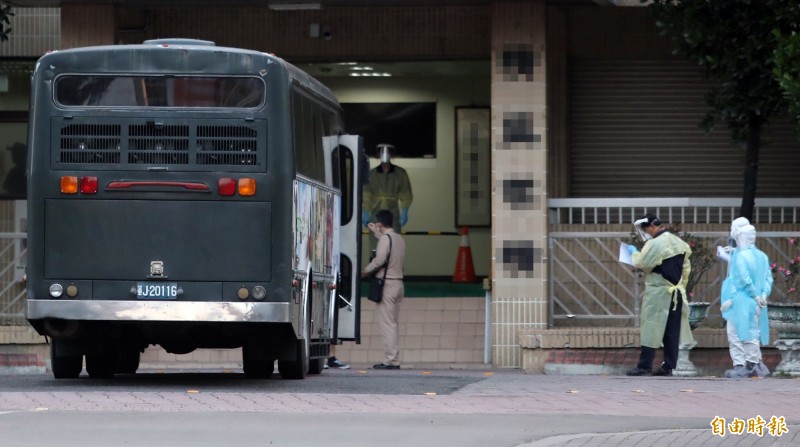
(247,186)
(69,184)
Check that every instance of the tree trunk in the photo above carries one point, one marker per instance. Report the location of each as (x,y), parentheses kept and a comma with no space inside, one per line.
(751,168)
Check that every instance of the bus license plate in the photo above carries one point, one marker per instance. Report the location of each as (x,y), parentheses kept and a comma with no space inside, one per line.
(157,291)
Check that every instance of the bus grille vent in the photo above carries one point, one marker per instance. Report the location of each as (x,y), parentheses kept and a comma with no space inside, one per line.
(90,144)
(158,145)
(226,145)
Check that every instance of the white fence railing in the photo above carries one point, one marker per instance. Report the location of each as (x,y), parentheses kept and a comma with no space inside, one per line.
(13,253)
(686,210)
(589,287)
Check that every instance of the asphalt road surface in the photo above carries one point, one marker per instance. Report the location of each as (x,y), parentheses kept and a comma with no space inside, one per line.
(391,408)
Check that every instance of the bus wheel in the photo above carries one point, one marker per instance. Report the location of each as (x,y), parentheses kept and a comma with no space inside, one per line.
(101,366)
(315,366)
(256,363)
(295,369)
(126,361)
(64,366)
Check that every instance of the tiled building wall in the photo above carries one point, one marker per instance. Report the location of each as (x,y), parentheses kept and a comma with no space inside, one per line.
(35,31)
(519,175)
(434,333)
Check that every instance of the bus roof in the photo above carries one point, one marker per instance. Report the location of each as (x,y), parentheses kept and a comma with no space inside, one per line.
(186,56)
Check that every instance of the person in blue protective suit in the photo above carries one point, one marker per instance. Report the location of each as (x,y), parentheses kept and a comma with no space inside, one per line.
(728,290)
(664,314)
(388,188)
(746,309)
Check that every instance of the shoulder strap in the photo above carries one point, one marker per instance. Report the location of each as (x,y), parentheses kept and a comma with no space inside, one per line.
(388,256)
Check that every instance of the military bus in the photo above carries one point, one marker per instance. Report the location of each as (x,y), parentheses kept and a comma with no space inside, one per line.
(188,196)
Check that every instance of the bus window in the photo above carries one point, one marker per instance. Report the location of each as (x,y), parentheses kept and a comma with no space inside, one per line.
(157,91)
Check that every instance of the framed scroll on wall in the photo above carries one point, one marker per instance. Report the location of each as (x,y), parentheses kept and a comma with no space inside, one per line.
(473,167)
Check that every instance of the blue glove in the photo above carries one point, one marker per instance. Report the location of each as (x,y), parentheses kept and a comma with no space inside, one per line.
(403,217)
(365,217)
(632,249)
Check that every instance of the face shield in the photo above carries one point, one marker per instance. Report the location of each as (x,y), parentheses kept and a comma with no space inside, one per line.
(640,225)
(385,152)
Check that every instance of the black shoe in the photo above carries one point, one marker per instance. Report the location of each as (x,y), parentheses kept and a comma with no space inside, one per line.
(384,366)
(333,362)
(638,371)
(664,370)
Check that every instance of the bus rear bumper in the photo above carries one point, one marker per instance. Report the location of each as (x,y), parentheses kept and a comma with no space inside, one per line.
(159,311)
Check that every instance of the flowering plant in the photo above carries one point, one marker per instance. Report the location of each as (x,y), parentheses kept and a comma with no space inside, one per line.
(703,254)
(789,275)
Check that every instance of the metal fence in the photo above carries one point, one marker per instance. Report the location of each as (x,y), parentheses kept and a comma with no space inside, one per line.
(13,253)
(590,287)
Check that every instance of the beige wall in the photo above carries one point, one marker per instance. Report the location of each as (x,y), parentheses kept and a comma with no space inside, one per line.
(432,180)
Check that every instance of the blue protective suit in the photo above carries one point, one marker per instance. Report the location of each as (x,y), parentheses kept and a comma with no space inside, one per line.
(749,276)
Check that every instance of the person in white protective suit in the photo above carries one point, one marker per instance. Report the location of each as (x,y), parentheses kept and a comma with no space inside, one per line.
(746,309)
(728,290)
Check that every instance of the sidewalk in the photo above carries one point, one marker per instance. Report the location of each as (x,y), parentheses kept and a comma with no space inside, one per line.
(635,411)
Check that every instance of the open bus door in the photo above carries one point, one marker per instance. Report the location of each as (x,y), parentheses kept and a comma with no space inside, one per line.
(347,320)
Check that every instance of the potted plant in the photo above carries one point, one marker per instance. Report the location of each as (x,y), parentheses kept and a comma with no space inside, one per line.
(783,308)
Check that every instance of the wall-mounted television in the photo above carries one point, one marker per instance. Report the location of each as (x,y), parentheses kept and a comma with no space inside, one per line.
(409,126)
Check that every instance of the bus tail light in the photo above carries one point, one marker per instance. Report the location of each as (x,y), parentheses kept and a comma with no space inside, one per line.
(89,185)
(247,186)
(227,186)
(69,184)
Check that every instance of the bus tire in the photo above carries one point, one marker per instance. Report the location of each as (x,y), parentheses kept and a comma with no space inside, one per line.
(64,366)
(256,364)
(315,366)
(101,366)
(126,361)
(295,369)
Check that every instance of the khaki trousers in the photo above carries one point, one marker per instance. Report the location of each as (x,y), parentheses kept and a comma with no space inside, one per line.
(388,311)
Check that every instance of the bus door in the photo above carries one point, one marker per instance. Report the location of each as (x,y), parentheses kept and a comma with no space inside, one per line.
(349,151)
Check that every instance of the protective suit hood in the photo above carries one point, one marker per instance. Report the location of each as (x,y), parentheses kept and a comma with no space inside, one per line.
(736,225)
(746,237)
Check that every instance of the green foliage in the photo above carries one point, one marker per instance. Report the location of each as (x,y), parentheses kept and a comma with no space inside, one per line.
(787,70)
(703,254)
(735,41)
(5,21)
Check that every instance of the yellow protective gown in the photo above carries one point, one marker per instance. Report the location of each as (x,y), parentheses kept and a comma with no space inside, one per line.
(659,294)
(389,190)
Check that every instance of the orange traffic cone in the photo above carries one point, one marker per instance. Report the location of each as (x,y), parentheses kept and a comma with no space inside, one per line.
(465,272)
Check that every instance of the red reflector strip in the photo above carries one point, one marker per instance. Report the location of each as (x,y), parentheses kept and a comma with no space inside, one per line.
(194,186)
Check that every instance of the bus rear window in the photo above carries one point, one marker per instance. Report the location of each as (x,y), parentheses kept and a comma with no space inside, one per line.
(159,91)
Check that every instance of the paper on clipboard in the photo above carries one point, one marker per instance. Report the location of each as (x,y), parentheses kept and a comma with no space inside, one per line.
(624,254)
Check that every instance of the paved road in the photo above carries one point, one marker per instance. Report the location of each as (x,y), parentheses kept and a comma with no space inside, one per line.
(393,408)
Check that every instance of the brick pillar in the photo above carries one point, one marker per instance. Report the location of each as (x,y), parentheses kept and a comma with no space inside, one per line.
(87,24)
(519,196)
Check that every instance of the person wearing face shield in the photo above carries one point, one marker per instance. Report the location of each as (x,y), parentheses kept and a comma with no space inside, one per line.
(664,314)
(745,309)
(388,188)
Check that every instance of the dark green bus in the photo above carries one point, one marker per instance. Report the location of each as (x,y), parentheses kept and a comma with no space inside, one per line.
(189,196)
